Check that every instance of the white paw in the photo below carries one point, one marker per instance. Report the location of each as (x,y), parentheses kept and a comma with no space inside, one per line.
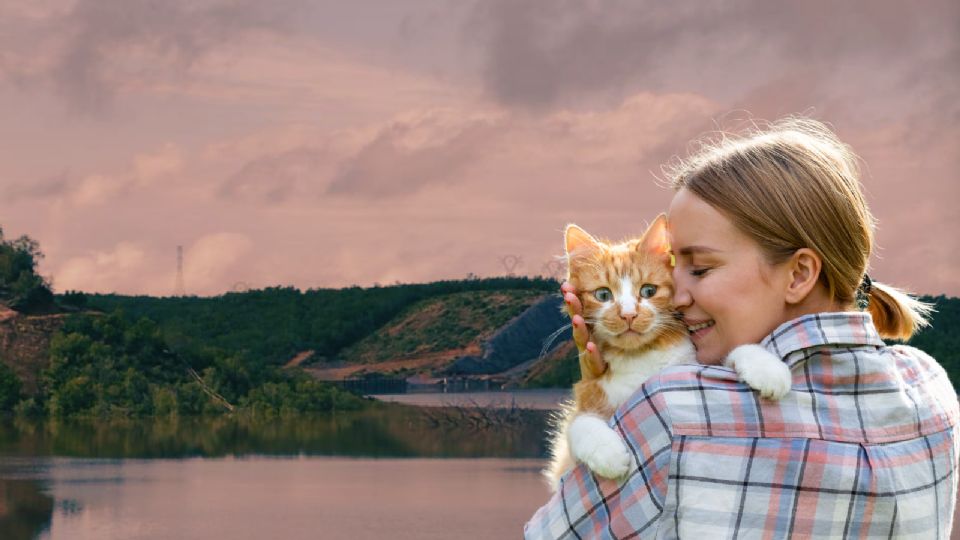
(761,370)
(610,461)
(594,443)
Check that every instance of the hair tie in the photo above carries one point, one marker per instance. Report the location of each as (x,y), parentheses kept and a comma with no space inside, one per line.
(863,292)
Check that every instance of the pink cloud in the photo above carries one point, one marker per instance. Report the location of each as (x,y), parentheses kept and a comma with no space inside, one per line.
(324,149)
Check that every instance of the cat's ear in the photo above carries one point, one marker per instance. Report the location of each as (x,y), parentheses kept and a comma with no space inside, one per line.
(655,240)
(578,241)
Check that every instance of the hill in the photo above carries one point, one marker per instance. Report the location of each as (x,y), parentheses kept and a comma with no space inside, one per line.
(423,330)
(430,334)
(275,324)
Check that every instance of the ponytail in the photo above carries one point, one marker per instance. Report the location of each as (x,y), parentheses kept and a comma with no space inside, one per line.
(896,314)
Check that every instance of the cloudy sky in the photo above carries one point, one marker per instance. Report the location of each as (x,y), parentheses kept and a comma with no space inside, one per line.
(324,144)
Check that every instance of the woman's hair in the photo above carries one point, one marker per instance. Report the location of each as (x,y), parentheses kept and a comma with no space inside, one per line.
(794,185)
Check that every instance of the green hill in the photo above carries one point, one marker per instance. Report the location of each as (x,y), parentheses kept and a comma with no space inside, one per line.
(439,324)
(276,323)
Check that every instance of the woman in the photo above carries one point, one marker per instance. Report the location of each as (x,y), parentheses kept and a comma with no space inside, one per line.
(771,237)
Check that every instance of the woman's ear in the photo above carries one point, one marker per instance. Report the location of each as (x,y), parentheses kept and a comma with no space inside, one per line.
(804,269)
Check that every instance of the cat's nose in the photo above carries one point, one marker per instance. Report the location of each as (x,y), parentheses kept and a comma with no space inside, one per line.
(629,317)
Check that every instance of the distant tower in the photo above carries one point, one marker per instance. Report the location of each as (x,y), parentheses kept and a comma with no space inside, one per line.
(178,289)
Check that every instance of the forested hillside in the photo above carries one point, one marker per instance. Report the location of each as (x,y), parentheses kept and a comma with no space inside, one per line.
(382,323)
(275,323)
(941,339)
(451,322)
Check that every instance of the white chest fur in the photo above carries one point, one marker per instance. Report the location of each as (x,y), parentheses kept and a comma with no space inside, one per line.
(628,372)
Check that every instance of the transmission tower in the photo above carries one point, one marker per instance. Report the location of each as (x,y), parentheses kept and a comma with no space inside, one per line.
(178,288)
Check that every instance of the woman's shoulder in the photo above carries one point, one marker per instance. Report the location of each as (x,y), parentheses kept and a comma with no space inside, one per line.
(909,351)
(914,364)
(680,385)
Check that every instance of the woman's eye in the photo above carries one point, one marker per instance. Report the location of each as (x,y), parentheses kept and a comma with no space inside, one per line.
(647,291)
(697,272)
(603,294)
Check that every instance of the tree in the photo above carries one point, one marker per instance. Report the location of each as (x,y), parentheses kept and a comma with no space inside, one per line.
(20,286)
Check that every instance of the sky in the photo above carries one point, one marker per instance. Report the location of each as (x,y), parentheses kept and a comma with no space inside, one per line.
(328,144)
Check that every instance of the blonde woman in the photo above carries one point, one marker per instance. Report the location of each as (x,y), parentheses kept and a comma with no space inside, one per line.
(771,237)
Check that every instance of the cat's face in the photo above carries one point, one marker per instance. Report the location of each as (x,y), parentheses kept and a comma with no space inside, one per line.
(626,289)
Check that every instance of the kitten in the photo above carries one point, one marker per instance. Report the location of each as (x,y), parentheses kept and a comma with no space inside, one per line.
(626,291)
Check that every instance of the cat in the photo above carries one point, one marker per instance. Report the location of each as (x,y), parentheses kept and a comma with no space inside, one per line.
(626,292)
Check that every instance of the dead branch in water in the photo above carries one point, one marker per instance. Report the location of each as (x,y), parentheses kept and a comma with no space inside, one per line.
(475,417)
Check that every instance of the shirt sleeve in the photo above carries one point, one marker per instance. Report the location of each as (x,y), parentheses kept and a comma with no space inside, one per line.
(588,506)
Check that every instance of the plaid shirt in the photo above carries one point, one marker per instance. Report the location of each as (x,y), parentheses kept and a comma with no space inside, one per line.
(865,445)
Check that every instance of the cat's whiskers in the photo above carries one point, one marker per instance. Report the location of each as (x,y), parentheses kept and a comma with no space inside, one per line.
(552,337)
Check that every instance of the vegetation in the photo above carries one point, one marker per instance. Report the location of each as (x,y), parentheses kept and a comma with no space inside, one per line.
(941,339)
(20,286)
(108,366)
(275,323)
(560,368)
(450,322)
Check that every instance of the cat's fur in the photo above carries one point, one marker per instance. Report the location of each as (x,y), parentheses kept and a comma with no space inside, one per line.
(658,339)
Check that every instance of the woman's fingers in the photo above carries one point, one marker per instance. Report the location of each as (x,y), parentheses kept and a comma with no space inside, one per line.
(580,333)
(591,364)
(571,299)
(597,365)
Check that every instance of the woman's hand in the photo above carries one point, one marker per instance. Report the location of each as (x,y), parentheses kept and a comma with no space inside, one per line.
(591,364)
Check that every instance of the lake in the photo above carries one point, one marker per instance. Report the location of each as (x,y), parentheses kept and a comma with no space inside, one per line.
(261,497)
(391,472)
(395,472)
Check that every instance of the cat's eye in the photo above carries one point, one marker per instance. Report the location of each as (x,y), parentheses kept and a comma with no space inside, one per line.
(647,291)
(603,294)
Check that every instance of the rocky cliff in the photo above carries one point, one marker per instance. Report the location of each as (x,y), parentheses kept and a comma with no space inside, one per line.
(25,343)
(519,341)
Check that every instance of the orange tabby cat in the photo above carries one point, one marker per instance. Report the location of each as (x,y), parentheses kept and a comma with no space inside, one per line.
(626,291)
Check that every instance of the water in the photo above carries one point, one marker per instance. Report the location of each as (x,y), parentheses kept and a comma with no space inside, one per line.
(547,399)
(391,472)
(261,497)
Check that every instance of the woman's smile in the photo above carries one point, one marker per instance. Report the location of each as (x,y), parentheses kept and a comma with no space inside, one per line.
(699,329)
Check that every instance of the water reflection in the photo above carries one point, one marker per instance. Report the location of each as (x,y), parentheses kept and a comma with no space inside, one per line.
(86,478)
(25,510)
(289,497)
(384,431)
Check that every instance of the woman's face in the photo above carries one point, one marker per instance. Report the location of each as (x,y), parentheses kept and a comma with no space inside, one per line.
(727,292)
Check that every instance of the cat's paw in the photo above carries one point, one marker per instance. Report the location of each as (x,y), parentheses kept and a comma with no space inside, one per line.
(761,370)
(609,461)
(594,443)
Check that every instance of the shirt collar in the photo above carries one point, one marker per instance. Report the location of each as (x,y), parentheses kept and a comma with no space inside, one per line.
(818,329)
